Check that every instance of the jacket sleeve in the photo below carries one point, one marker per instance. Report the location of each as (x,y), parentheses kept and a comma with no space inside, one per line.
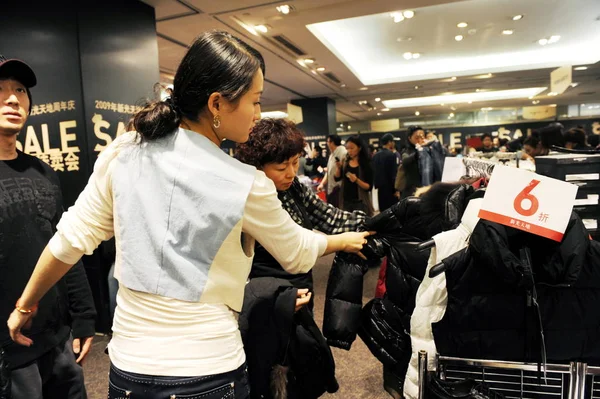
(81,302)
(343,300)
(409,157)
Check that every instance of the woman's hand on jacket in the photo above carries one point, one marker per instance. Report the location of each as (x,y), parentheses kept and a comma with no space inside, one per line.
(303,298)
(351,242)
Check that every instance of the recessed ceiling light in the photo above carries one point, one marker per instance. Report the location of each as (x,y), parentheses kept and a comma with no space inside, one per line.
(543,42)
(453,78)
(343,85)
(487,109)
(448,93)
(363,88)
(583,105)
(477,90)
(416,55)
(580,68)
(458,38)
(408,55)
(313,72)
(552,94)
(464,97)
(451,114)
(408,14)
(261,28)
(284,9)
(453,108)
(398,17)
(378,99)
(349,127)
(470,102)
(417,113)
(507,32)
(534,102)
(379,114)
(404,39)
(462,24)
(442,104)
(517,17)
(553,39)
(574,84)
(530,97)
(320,69)
(362,102)
(385,109)
(416,87)
(309,60)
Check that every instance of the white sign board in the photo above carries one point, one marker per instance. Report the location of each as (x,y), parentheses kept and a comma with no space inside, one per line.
(529,202)
(560,79)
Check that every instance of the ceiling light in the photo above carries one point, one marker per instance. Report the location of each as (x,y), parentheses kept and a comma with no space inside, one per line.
(448,93)
(417,113)
(580,68)
(553,39)
(517,17)
(302,62)
(583,105)
(309,60)
(378,99)
(274,115)
(451,114)
(530,97)
(416,55)
(343,85)
(407,56)
(313,72)
(453,78)
(408,14)
(534,102)
(349,127)
(442,104)
(416,87)
(363,88)
(462,24)
(284,9)
(464,97)
(320,69)
(362,102)
(453,108)
(398,17)
(552,94)
(470,102)
(487,109)
(543,42)
(477,90)
(261,28)
(458,38)
(404,39)
(379,114)
(385,109)
(574,84)
(507,32)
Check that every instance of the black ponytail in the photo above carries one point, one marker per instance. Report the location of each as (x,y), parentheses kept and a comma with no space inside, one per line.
(216,62)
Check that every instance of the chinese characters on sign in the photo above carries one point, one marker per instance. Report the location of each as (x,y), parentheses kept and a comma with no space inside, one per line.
(117,107)
(50,108)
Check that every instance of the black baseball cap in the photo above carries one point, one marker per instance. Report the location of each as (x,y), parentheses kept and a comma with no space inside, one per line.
(18,70)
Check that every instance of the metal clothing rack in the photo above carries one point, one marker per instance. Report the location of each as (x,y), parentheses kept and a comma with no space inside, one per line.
(576,380)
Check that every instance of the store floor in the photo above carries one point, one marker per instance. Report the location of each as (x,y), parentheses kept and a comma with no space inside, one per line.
(358,372)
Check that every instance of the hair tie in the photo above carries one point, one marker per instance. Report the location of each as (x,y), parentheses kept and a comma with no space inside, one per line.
(173,105)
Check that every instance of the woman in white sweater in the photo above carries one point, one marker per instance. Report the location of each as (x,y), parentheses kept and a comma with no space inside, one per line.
(185,217)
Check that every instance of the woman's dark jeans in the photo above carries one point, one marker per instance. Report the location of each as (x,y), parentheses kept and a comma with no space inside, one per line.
(230,385)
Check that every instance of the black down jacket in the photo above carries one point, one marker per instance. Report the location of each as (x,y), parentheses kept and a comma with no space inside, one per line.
(399,230)
(488,315)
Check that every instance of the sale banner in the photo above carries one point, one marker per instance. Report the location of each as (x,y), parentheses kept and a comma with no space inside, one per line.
(530,202)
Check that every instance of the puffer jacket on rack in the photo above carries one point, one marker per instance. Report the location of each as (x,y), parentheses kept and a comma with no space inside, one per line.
(487,315)
(399,230)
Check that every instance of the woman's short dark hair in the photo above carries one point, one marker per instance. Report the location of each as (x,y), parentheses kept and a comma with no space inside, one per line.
(577,136)
(271,141)
(216,62)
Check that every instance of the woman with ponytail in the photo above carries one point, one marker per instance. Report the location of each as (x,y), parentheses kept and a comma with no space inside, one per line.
(185,217)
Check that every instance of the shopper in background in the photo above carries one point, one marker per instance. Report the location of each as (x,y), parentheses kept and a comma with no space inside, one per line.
(274,147)
(184,243)
(356,175)
(337,154)
(487,144)
(385,167)
(31,206)
(532,147)
(315,162)
(410,160)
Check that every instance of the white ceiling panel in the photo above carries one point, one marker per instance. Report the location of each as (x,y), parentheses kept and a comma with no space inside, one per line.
(168,8)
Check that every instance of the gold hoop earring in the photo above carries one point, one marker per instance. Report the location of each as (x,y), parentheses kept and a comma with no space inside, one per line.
(217,121)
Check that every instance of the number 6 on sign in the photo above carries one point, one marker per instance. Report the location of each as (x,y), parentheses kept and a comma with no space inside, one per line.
(526,195)
(525,201)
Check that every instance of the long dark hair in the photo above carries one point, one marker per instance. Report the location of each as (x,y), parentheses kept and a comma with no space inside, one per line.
(215,62)
(364,159)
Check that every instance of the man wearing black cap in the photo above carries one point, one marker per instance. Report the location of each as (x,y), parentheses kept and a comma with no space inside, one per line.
(385,166)
(30,208)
